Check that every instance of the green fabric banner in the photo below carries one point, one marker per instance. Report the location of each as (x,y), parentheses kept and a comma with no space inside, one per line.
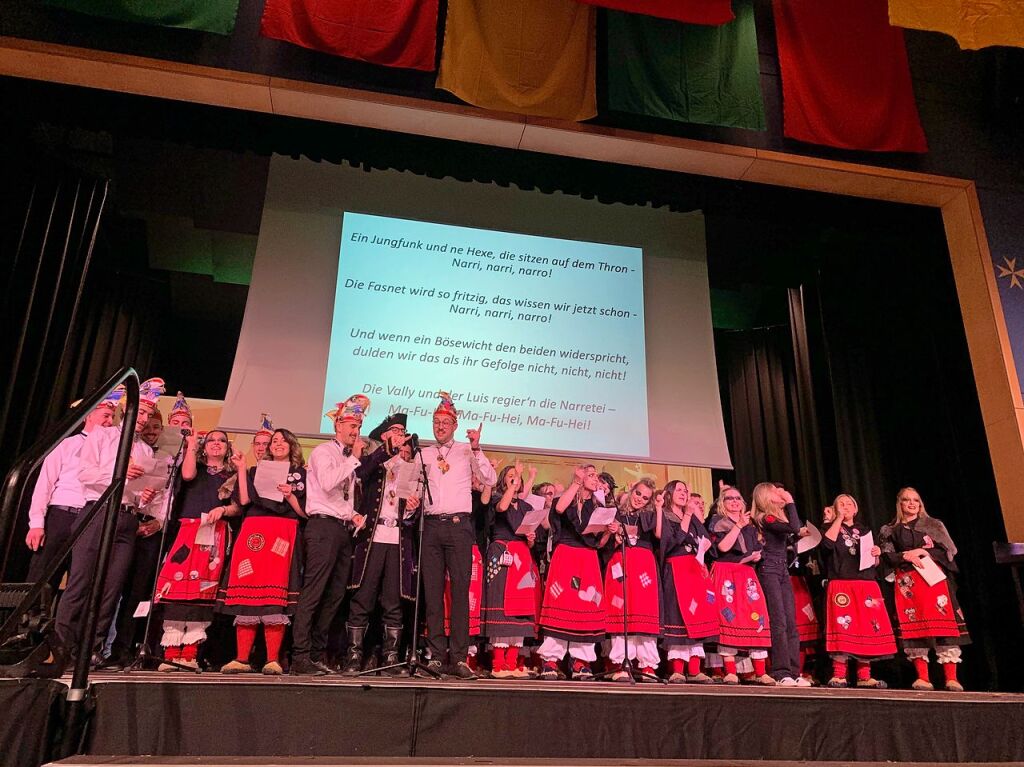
(686,72)
(205,15)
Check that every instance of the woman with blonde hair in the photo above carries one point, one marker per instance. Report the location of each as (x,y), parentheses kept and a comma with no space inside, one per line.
(743,622)
(857,623)
(776,518)
(929,615)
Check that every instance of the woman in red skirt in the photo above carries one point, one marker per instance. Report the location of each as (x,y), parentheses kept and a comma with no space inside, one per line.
(742,612)
(689,617)
(573,616)
(929,616)
(509,611)
(264,577)
(188,579)
(631,593)
(856,619)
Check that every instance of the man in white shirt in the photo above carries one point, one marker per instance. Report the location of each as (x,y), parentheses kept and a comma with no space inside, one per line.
(58,498)
(449,535)
(96,468)
(332,481)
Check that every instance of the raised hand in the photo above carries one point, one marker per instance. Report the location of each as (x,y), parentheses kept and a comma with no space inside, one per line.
(659,501)
(473,435)
(238,461)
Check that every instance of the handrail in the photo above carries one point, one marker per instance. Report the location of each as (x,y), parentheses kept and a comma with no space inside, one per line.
(16,481)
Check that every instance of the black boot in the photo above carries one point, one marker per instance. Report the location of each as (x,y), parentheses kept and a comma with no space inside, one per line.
(392,639)
(354,661)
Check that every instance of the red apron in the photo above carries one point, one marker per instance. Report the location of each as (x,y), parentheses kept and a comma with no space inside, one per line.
(641,574)
(856,620)
(691,595)
(806,620)
(924,611)
(742,612)
(476,590)
(261,565)
(573,606)
(192,573)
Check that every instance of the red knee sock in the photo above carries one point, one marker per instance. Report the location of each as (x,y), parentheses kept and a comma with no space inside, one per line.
(921,666)
(471,662)
(949,669)
(730,663)
(694,665)
(244,636)
(676,665)
(760,666)
(172,653)
(498,662)
(863,670)
(511,657)
(839,669)
(273,636)
(189,651)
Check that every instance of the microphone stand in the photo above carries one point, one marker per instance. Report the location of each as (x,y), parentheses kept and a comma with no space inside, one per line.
(413,663)
(144,654)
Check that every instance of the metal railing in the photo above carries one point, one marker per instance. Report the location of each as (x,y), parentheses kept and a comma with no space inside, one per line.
(14,488)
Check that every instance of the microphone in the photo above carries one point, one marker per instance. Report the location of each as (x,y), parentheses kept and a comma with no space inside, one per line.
(414,443)
(186,432)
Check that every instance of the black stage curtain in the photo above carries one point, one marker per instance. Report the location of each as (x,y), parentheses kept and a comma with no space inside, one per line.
(31,719)
(79,305)
(494,721)
(769,400)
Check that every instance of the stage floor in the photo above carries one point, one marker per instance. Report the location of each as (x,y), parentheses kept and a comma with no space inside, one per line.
(279,718)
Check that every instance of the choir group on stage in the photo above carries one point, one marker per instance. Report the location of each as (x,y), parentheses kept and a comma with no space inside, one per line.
(657,586)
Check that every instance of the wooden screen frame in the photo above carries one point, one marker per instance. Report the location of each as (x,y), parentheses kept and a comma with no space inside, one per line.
(988,342)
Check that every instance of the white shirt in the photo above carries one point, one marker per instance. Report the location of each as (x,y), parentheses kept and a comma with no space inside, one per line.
(96,461)
(58,483)
(330,477)
(451,491)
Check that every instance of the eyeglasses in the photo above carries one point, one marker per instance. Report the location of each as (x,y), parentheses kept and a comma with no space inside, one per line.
(443,422)
(731,498)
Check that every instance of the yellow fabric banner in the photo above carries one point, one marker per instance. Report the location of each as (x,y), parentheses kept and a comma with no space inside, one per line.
(533,57)
(973,24)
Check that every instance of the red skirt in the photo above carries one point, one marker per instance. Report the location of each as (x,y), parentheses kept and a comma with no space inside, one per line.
(187,584)
(806,619)
(641,575)
(742,612)
(857,621)
(689,599)
(573,609)
(510,595)
(927,612)
(476,591)
(261,580)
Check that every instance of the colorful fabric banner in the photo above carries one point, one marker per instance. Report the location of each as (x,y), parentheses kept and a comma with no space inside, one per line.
(845,77)
(712,12)
(533,57)
(395,33)
(973,24)
(216,16)
(685,72)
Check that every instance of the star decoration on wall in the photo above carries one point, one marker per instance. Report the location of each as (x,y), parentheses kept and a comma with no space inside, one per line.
(1010,270)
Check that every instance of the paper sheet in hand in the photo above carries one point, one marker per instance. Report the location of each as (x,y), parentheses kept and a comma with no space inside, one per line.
(408,479)
(270,474)
(599,497)
(169,441)
(809,541)
(204,535)
(531,521)
(155,476)
(536,501)
(600,520)
(703,545)
(867,542)
(930,571)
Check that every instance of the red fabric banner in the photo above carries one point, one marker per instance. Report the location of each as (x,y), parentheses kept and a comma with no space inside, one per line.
(395,33)
(711,12)
(845,77)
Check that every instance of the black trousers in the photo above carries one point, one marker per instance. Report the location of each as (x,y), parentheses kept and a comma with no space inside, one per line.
(785,650)
(328,549)
(447,548)
(382,579)
(74,604)
(138,587)
(58,526)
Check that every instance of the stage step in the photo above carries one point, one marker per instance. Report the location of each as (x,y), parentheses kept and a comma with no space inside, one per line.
(219,761)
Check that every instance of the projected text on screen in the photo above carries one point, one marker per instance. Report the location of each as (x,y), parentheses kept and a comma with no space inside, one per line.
(540,339)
